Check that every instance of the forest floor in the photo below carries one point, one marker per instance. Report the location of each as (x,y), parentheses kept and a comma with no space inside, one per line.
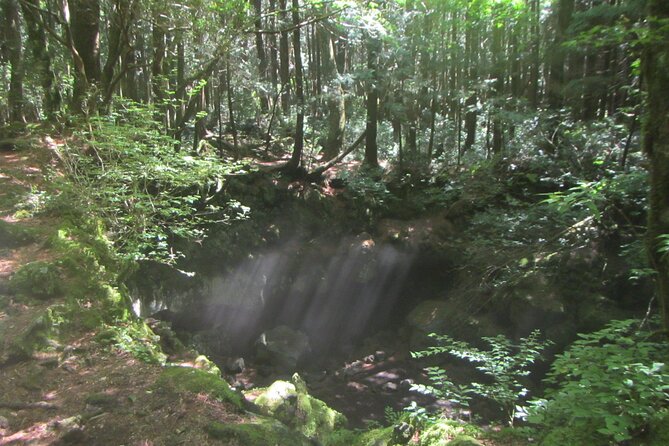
(82,392)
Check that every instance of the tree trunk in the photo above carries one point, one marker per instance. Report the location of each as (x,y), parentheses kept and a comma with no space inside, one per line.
(335,97)
(12,24)
(656,146)
(296,158)
(371,148)
(85,34)
(262,54)
(557,54)
(284,60)
(39,47)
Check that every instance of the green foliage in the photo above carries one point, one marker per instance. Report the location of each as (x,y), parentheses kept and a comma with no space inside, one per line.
(146,190)
(136,338)
(505,364)
(39,279)
(605,389)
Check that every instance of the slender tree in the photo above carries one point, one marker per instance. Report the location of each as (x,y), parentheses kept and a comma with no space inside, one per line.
(656,145)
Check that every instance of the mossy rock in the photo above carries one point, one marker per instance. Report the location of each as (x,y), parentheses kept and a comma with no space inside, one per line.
(438,434)
(186,379)
(290,403)
(429,316)
(13,235)
(257,432)
(376,437)
(464,440)
(37,279)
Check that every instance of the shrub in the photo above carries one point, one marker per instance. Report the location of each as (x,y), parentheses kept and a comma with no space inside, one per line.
(607,387)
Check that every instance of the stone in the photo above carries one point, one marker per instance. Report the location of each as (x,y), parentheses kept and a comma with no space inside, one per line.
(4,423)
(389,387)
(380,356)
(282,347)
(234,365)
(402,433)
(290,403)
(429,316)
(406,384)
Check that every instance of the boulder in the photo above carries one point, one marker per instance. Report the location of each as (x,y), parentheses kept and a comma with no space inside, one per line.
(429,316)
(290,403)
(282,347)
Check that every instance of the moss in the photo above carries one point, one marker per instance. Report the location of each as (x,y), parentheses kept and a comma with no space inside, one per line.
(185,379)
(464,440)
(438,434)
(341,437)
(39,279)
(258,432)
(376,437)
(290,403)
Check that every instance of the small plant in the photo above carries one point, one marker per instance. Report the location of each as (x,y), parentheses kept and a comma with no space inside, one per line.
(39,279)
(504,363)
(606,388)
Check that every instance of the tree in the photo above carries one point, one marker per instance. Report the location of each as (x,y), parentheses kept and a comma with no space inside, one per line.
(296,158)
(656,146)
(14,53)
(371,147)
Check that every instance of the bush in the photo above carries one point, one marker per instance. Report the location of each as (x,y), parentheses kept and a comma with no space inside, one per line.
(607,388)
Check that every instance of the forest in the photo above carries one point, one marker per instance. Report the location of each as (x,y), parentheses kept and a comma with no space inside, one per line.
(334,222)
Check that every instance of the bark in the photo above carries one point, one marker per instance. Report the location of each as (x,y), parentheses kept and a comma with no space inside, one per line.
(371,148)
(656,146)
(296,158)
(12,28)
(335,99)
(85,29)
(557,54)
(39,47)
(284,62)
(262,54)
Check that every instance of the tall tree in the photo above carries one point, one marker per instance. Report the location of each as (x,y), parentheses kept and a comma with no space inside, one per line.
(371,147)
(296,158)
(85,36)
(14,53)
(39,46)
(656,144)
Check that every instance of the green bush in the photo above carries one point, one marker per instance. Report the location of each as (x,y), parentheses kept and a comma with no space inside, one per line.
(607,388)
(38,279)
(505,364)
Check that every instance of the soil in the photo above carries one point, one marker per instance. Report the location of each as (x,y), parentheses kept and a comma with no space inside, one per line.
(82,393)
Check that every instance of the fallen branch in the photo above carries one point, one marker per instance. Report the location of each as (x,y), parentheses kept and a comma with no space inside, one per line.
(321,169)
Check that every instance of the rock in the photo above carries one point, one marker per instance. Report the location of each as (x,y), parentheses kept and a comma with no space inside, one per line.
(290,403)
(380,356)
(282,347)
(234,365)
(4,423)
(406,384)
(429,316)
(389,387)
(402,433)
(353,368)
